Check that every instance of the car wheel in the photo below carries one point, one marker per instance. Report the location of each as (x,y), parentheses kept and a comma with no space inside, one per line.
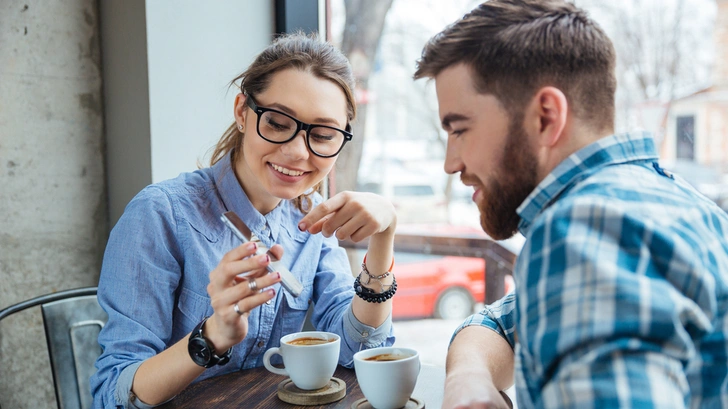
(454,303)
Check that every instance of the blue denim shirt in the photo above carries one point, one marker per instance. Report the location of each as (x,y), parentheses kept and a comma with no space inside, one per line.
(155,273)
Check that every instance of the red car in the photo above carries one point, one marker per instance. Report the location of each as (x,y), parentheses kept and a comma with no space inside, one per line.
(445,287)
(437,286)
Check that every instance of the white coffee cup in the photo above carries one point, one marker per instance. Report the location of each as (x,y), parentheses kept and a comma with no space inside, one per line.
(387,384)
(309,366)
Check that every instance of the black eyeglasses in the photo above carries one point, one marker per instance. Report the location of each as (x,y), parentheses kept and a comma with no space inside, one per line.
(277,127)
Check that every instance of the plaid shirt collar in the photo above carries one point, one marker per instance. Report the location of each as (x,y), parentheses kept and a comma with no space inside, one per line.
(610,150)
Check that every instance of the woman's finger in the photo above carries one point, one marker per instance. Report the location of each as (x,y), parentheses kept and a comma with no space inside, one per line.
(240,252)
(322,210)
(227,271)
(247,304)
(247,288)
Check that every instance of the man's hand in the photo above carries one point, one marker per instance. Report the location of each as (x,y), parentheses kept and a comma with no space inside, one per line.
(469,392)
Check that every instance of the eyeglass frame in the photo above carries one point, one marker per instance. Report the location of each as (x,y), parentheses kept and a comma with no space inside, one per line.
(300,125)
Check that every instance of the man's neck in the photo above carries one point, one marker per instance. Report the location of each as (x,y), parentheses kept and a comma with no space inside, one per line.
(576,136)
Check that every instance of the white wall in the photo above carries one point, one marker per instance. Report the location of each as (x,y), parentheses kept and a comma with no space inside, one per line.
(194,50)
(166,68)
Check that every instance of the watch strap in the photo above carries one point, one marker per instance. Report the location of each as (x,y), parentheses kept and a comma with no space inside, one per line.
(194,344)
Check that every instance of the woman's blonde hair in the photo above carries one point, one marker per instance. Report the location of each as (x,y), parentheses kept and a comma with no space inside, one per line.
(302,52)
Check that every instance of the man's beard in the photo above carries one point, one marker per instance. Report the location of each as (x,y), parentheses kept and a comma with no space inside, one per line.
(514,180)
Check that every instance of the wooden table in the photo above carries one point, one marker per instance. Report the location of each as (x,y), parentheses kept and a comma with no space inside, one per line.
(257,388)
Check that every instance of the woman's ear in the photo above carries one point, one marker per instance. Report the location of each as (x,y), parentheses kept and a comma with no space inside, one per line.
(240,111)
(550,108)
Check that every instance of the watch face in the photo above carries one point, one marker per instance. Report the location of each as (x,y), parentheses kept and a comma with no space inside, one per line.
(199,351)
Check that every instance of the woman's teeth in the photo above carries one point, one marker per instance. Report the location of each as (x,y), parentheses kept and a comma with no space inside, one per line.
(287,171)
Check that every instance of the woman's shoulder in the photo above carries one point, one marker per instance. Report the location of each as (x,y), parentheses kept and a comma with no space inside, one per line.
(190,196)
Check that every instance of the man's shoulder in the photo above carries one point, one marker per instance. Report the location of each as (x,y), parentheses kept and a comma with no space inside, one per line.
(628,187)
(634,192)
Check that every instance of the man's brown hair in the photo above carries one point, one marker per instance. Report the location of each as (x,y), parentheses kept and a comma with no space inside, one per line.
(516,47)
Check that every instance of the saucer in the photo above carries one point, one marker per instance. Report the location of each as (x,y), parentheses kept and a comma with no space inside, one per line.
(413,403)
(333,391)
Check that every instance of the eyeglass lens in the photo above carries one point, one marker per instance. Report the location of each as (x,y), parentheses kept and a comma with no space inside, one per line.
(322,140)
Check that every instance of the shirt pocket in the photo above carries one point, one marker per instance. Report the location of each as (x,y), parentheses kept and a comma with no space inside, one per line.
(294,309)
(192,309)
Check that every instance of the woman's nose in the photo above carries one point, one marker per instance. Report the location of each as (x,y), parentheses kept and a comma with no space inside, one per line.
(296,148)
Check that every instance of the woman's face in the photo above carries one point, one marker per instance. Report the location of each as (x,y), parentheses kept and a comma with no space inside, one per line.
(270,172)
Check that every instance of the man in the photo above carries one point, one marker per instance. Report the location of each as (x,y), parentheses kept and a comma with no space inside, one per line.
(622,284)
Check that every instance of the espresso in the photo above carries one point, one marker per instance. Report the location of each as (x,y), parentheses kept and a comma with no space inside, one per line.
(309,341)
(386,357)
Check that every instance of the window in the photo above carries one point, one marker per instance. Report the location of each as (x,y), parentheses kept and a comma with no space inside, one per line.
(685,137)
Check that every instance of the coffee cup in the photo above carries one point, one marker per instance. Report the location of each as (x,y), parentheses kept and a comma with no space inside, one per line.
(309,358)
(387,375)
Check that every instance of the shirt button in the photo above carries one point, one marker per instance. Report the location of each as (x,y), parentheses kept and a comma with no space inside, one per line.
(261,344)
(365,334)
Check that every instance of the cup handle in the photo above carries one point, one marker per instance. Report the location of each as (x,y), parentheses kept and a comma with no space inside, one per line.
(266,361)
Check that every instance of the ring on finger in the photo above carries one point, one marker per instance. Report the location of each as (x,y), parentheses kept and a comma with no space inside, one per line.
(237,309)
(253,286)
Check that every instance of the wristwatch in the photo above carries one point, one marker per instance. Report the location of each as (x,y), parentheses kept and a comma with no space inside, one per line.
(201,350)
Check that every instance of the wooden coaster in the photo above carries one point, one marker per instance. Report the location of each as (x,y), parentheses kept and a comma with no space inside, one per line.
(413,403)
(333,391)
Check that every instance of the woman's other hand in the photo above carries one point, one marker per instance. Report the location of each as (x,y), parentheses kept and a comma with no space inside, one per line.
(351,215)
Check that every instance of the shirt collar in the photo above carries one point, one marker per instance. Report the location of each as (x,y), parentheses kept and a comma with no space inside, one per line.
(610,150)
(235,199)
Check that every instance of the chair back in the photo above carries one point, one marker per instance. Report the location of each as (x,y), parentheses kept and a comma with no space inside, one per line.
(72,320)
(72,328)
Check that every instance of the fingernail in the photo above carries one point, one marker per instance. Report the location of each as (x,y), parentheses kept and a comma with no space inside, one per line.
(302,226)
(278,276)
(264,260)
(271,292)
(252,246)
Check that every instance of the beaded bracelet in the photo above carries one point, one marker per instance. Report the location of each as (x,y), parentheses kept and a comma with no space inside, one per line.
(369,295)
(379,278)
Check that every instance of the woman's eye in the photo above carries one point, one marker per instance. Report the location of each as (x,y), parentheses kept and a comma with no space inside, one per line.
(322,137)
(275,125)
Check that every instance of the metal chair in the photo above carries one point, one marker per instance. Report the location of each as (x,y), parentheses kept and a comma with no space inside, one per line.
(72,320)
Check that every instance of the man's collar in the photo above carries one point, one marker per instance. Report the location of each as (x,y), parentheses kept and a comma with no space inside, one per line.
(610,150)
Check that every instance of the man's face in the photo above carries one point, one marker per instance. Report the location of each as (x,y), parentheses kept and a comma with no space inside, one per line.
(491,150)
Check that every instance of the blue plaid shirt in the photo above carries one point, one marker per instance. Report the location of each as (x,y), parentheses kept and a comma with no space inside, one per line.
(622,287)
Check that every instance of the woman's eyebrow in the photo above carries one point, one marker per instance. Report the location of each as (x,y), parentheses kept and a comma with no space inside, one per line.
(289,111)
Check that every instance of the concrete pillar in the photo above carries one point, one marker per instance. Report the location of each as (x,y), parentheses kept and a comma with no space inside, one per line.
(53,211)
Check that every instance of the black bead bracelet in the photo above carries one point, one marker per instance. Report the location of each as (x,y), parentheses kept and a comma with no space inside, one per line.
(369,295)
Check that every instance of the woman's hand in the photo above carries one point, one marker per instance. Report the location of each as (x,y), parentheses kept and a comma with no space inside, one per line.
(351,215)
(226,327)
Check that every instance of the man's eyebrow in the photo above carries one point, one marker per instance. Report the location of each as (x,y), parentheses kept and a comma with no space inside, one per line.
(450,118)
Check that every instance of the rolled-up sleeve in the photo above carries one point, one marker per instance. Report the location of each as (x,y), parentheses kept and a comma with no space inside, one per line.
(499,317)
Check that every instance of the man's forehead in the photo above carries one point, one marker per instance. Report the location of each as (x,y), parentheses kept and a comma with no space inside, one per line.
(456,78)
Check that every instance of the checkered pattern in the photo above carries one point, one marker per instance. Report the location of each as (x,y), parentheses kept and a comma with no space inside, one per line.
(622,287)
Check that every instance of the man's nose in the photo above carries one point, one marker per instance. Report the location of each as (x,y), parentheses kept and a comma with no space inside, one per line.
(453,164)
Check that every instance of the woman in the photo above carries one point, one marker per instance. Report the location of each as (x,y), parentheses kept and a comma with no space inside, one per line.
(171,268)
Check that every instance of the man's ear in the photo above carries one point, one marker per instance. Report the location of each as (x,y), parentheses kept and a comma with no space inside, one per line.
(549,109)
(240,111)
